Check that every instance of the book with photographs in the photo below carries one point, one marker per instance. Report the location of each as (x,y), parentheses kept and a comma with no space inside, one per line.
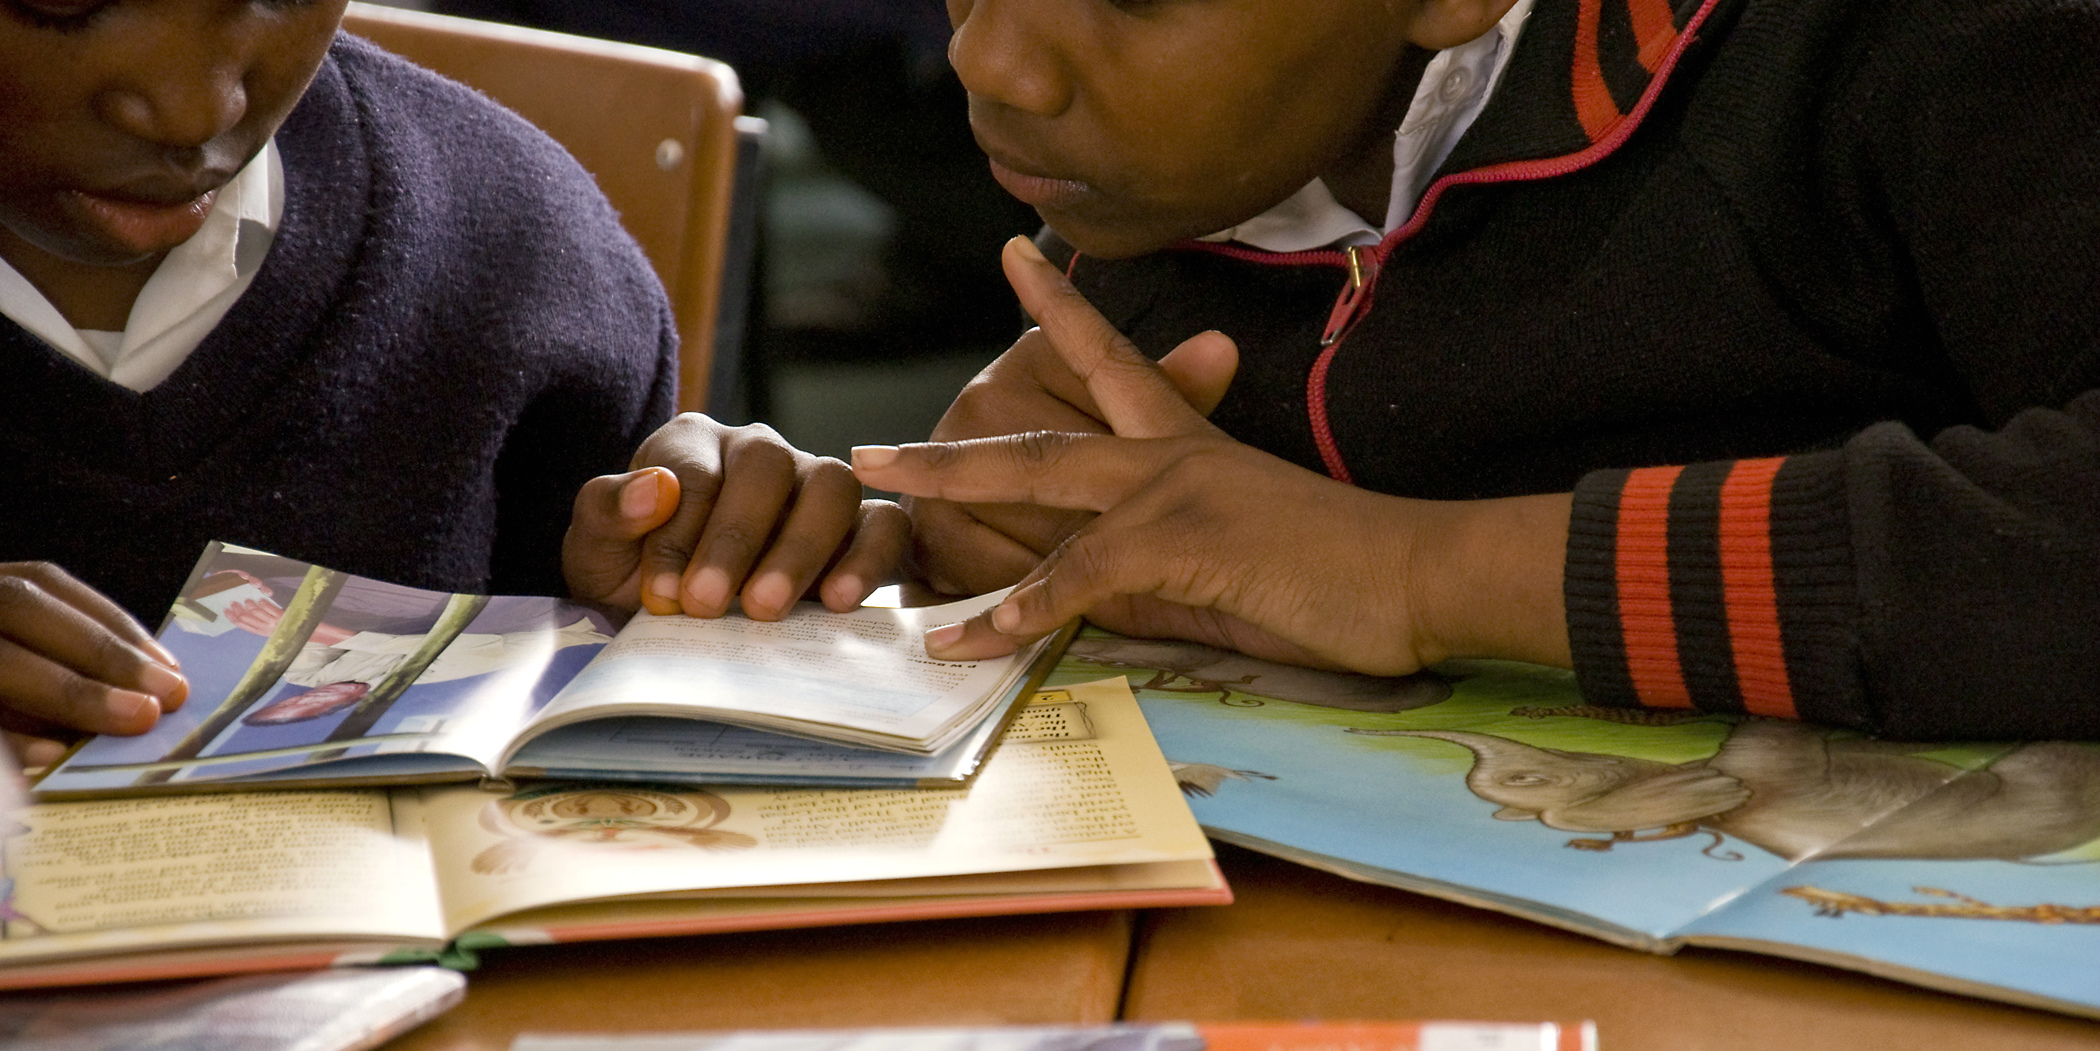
(302,676)
(1073,809)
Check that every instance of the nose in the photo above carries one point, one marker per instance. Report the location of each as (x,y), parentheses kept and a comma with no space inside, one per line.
(184,91)
(1006,51)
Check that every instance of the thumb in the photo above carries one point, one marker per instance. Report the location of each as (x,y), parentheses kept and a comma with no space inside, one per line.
(601,555)
(1201,368)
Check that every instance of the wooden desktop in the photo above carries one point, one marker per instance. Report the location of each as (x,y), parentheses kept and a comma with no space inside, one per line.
(1054,968)
(1298,944)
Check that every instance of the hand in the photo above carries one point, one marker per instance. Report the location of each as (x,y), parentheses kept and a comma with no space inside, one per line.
(969,549)
(71,660)
(259,616)
(1205,538)
(709,509)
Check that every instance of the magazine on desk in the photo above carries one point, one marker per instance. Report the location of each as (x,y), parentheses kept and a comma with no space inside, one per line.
(1074,809)
(303,676)
(1969,867)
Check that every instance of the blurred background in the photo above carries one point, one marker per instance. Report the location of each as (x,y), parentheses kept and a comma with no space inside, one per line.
(877,292)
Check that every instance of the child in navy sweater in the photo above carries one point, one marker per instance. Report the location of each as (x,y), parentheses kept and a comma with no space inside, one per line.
(1738,354)
(268,285)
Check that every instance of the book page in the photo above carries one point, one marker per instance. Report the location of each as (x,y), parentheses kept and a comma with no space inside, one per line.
(167,872)
(864,673)
(301,672)
(1075,781)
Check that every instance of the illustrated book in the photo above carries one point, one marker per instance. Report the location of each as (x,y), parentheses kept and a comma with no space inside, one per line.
(1970,867)
(302,676)
(1073,809)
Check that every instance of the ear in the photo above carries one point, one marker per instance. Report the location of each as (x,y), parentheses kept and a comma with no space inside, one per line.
(1440,24)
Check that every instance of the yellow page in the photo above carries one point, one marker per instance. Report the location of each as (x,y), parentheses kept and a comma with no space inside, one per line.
(1077,780)
(177,871)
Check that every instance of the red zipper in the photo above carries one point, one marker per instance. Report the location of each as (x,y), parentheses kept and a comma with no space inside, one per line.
(1361,264)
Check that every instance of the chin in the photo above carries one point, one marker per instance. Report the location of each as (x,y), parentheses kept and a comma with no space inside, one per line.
(1111,242)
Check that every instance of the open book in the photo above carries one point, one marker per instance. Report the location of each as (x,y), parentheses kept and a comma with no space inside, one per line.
(1075,809)
(301,675)
(1967,867)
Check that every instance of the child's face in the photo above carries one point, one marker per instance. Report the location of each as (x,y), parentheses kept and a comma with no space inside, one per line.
(119,119)
(1130,124)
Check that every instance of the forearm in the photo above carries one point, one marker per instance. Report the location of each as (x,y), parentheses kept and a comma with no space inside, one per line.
(1487,579)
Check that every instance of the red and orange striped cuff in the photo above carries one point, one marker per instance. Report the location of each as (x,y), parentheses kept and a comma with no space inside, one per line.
(1710,587)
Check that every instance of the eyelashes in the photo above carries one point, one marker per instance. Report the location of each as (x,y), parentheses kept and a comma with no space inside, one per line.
(64,17)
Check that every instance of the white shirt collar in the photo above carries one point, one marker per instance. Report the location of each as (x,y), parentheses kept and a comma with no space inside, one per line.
(1455,87)
(187,295)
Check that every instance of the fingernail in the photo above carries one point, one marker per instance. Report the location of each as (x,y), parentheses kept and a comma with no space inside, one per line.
(638,496)
(943,637)
(665,587)
(175,700)
(845,590)
(708,591)
(129,707)
(162,683)
(769,592)
(160,653)
(873,457)
(1028,250)
(1006,618)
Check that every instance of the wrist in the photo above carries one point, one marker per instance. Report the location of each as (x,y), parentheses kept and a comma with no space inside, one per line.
(1487,578)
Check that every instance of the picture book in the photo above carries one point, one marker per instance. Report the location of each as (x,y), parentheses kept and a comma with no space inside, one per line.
(1971,867)
(304,676)
(1120,1036)
(1073,809)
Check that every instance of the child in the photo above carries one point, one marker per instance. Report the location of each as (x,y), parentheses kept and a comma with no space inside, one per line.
(272,286)
(1738,354)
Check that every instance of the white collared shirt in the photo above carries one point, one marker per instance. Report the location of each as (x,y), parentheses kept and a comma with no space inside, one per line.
(187,295)
(1454,89)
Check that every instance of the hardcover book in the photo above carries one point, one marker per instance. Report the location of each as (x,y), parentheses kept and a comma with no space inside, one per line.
(1074,809)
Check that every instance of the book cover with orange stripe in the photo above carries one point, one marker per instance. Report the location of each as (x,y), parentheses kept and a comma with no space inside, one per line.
(1972,867)
(1126,1036)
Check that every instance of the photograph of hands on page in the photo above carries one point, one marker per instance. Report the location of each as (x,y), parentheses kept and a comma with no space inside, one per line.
(304,676)
(1075,809)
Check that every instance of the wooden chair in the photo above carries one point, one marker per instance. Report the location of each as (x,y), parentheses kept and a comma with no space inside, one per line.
(658,129)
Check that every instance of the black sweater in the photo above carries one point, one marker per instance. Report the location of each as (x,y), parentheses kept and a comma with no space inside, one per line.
(450,334)
(1841,258)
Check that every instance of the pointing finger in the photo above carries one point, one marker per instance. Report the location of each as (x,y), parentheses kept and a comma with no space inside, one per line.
(1078,472)
(1132,394)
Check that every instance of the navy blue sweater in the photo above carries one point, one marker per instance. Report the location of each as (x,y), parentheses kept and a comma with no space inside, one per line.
(450,334)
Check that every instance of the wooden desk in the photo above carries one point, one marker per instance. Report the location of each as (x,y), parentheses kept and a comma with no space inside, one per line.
(1065,967)
(1304,944)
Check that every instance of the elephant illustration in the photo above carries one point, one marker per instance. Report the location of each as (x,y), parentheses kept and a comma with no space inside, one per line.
(1798,792)
(1208,669)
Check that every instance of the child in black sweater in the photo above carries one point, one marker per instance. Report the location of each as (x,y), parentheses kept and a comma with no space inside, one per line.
(1738,354)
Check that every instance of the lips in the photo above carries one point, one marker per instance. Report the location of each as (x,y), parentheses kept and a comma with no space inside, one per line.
(144,225)
(1039,191)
